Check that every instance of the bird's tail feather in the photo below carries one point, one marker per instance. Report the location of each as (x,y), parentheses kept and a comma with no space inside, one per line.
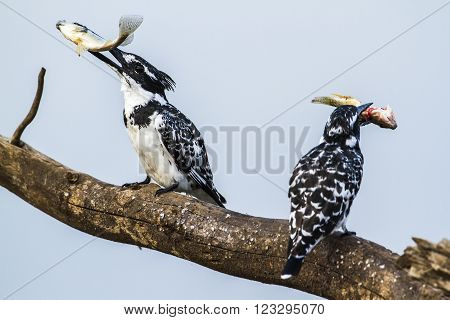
(218,198)
(203,195)
(208,188)
(292,267)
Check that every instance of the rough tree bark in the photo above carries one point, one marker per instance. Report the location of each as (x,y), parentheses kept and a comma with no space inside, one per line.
(233,243)
(428,262)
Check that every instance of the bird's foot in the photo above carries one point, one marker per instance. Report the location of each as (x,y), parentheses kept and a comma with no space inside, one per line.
(165,190)
(348,233)
(345,233)
(136,184)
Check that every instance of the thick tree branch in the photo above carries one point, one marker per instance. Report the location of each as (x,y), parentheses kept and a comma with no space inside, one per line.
(233,243)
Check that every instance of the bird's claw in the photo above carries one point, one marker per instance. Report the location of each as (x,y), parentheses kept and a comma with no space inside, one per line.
(347,233)
(136,184)
(130,185)
(160,192)
(165,190)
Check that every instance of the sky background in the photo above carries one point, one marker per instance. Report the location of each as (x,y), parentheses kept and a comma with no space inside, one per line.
(236,64)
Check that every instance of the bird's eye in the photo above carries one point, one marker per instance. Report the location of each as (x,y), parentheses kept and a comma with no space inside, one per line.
(139,68)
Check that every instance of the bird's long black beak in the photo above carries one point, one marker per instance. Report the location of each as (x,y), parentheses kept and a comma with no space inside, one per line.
(363,107)
(117,54)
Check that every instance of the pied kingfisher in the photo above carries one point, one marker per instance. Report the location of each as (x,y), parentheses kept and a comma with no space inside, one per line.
(170,147)
(323,186)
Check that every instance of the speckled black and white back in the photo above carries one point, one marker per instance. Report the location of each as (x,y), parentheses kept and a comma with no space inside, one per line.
(323,186)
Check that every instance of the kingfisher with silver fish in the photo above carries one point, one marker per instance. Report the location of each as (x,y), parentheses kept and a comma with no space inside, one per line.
(170,147)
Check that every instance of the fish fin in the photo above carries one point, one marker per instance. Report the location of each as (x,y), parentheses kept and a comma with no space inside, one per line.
(129,23)
(80,49)
(128,40)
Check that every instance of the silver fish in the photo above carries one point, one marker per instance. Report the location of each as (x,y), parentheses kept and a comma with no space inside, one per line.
(86,39)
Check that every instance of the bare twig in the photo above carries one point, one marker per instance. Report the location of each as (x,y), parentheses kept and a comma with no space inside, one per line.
(15,140)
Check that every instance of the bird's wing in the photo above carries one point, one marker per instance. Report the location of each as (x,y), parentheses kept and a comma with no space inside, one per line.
(320,195)
(186,146)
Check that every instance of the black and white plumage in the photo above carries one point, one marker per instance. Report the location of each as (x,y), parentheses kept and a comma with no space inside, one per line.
(170,147)
(323,186)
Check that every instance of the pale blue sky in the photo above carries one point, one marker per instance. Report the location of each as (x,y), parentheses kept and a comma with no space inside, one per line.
(236,64)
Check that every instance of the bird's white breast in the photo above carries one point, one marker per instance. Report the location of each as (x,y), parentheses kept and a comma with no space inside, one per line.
(153,156)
